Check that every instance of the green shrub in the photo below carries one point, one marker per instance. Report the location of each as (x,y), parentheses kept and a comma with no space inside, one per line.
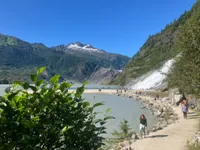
(125,133)
(49,117)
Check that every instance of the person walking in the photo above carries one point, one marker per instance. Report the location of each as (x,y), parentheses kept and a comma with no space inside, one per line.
(184,107)
(143,126)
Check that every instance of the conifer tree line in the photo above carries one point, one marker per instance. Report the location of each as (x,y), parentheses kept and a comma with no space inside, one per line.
(185,73)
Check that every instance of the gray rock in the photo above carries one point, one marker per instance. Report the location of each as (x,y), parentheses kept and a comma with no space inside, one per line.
(165,99)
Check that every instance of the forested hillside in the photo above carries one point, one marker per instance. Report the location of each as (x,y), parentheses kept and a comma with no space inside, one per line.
(155,52)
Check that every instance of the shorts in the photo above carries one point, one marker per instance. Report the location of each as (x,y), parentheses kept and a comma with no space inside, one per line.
(142,128)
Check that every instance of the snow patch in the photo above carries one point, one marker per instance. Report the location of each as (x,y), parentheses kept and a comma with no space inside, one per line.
(88,48)
(155,79)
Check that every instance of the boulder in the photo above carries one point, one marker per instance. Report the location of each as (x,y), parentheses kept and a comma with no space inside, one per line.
(135,136)
(161,109)
(165,99)
(195,139)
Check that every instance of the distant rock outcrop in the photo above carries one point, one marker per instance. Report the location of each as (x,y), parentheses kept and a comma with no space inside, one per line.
(103,75)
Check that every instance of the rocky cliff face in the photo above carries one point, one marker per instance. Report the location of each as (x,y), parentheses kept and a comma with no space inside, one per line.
(103,75)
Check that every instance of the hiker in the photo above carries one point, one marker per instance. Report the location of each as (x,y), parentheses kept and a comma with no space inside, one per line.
(139,92)
(143,125)
(184,107)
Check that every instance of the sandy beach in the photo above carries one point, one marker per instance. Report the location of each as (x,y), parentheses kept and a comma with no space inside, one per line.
(96,91)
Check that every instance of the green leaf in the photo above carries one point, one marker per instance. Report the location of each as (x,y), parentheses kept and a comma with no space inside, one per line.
(64,86)
(109,117)
(79,91)
(86,104)
(18,83)
(84,83)
(55,79)
(39,82)
(36,118)
(8,90)
(34,77)
(12,95)
(33,88)
(97,105)
(65,129)
(26,86)
(102,123)
(28,124)
(108,110)
(40,70)
(97,121)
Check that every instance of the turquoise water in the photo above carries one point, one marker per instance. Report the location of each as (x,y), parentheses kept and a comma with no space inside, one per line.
(121,108)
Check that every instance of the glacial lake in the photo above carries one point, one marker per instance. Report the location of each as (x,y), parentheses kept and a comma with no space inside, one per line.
(121,108)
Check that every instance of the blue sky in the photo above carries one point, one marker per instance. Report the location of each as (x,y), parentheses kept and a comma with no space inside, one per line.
(118,26)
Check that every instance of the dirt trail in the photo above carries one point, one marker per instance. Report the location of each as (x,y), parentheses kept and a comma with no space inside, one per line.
(173,137)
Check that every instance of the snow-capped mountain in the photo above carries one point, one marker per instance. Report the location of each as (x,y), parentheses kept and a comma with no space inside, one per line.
(82,47)
(77,46)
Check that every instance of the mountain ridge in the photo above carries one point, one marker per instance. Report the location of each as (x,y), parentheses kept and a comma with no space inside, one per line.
(71,65)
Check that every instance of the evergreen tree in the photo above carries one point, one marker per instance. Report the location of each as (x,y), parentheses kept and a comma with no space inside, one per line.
(185,73)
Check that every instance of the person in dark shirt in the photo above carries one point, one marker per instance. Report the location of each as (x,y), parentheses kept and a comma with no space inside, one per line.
(143,125)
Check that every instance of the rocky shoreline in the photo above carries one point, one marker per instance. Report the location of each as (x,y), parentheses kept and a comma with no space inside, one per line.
(162,108)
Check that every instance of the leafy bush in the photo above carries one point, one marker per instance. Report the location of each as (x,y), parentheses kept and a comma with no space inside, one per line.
(46,116)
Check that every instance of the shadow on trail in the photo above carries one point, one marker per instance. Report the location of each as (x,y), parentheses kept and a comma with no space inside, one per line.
(190,113)
(158,136)
(193,116)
